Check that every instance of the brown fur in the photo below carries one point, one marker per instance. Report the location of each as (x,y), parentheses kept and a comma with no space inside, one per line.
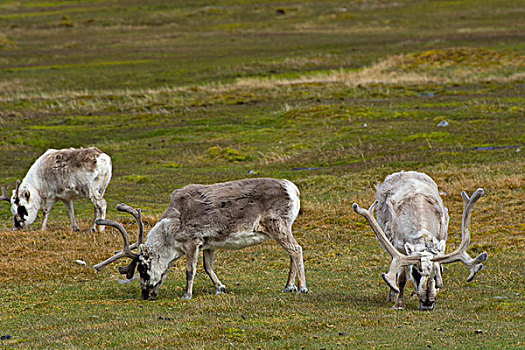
(69,160)
(227,207)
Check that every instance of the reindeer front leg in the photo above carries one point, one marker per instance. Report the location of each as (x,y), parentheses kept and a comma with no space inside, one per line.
(401,282)
(192,254)
(48,206)
(208,267)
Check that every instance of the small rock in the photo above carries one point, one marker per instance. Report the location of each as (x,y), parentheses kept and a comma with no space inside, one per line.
(518,150)
(478,331)
(442,124)
(364,125)
(342,333)
(5,337)
(252,172)
(81,262)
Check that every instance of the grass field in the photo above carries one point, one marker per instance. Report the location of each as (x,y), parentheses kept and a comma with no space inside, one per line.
(332,95)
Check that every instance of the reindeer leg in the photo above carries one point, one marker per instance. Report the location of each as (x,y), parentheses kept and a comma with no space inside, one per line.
(208,267)
(192,252)
(391,295)
(290,286)
(48,206)
(99,211)
(401,282)
(68,203)
(282,233)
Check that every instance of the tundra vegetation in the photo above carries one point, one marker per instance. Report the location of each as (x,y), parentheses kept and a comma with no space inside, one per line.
(332,95)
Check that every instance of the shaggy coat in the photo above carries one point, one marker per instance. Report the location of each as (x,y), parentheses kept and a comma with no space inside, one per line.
(411,213)
(64,175)
(230,215)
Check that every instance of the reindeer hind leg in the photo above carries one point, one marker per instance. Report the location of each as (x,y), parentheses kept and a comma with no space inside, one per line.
(70,210)
(208,267)
(100,206)
(282,233)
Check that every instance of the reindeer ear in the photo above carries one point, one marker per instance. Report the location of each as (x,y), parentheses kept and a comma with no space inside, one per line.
(409,248)
(143,251)
(441,246)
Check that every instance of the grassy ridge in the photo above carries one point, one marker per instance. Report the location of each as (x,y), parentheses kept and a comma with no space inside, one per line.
(331,95)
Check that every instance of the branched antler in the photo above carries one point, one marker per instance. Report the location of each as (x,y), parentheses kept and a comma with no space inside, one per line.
(126,248)
(4,197)
(17,187)
(398,259)
(460,254)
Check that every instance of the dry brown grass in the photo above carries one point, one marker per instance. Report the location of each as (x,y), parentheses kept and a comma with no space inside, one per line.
(425,67)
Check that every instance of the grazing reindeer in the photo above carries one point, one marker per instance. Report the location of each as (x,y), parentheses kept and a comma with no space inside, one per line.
(230,215)
(411,218)
(63,175)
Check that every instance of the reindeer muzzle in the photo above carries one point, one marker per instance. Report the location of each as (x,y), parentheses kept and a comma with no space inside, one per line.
(427,305)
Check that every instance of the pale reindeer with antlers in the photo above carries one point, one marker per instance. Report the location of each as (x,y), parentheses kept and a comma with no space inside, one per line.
(230,215)
(412,227)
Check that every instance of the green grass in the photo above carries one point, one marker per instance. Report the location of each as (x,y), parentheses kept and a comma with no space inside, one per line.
(331,95)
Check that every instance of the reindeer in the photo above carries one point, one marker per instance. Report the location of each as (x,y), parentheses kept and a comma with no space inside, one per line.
(63,175)
(412,227)
(230,215)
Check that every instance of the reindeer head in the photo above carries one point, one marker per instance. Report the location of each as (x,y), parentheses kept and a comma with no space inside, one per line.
(151,267)
(427,261)
(426,274)
(153,271)
(23,207)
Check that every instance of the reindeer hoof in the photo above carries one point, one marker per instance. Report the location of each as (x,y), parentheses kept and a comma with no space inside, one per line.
(398,306)
(186,296)
(289,289)
(302,290)
(75,229)
(220,289)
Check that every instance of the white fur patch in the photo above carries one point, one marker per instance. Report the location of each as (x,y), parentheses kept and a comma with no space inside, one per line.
(293,193)
(237,240)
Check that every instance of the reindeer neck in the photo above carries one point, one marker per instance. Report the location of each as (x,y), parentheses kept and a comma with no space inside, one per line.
(161,241)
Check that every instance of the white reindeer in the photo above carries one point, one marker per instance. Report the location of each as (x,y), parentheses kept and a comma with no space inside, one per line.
(412,220)
(230,215)
(63,175)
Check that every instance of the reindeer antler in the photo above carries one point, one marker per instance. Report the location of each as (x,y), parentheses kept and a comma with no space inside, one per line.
(398,259)
(460,254)
(4,197)
(17,187)
(126,248)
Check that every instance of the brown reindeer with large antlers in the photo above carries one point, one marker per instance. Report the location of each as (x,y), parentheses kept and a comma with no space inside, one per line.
(230,215)
(411,218)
